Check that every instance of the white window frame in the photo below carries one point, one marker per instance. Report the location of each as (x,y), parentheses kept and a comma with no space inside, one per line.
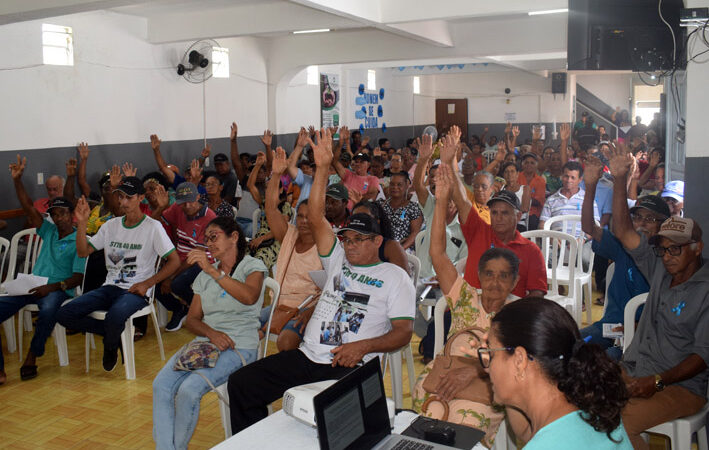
(220,63)
(57,45)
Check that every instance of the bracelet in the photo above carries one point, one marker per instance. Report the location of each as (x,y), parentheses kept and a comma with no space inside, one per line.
(221,275)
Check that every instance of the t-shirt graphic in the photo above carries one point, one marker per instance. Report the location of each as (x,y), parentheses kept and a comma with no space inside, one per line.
(349,311)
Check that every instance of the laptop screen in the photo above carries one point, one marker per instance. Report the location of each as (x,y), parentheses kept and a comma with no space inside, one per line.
(352,413)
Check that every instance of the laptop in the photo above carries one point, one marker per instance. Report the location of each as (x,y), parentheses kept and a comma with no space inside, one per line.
(352,414)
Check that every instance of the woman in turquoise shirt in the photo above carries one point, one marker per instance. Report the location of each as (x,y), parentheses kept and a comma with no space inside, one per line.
(570,393)
(224,311)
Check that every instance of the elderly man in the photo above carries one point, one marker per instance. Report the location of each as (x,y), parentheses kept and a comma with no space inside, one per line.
(366,308)
(673,195)
(55,187)
(665,366)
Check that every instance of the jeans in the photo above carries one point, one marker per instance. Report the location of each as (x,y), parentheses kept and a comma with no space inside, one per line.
(177,394)
(47,318)
(181,287)
(246,225)
(595,330)
(119,304)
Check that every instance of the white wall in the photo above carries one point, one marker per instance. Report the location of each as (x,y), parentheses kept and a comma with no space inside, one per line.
(614,89)
(121,88)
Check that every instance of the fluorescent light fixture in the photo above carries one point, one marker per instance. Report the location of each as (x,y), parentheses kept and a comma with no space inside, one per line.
(548,11)
(319,30)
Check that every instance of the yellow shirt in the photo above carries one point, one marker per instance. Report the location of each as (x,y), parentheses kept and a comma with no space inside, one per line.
(482,210)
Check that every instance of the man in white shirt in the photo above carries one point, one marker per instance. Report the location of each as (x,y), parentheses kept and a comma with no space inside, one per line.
(567,200)
(366,308)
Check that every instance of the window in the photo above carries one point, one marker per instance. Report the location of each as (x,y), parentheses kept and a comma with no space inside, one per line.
(57,45)
(312,76)
(371,80)
(417,85)
(220,62)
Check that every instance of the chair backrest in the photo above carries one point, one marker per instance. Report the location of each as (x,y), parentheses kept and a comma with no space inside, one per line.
(568,223)
(34,245)
(151,292)
(417,243)
(609,276)
(438,312)
(554,245)
(255,222)
(629,318)
(275,288)
(414,267)
(489,155)
(5,253)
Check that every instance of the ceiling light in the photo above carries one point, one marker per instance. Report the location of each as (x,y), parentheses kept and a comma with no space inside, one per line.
(548,11)
(319,30)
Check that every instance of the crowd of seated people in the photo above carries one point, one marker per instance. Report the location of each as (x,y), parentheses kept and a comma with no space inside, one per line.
(353,213)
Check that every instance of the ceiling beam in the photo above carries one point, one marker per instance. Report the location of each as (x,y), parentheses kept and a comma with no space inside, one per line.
(12,11)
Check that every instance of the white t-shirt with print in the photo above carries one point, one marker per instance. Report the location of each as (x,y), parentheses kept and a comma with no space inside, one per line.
(357,302)
(131,252)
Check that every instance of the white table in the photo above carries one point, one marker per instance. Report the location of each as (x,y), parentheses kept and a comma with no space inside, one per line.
(279,431)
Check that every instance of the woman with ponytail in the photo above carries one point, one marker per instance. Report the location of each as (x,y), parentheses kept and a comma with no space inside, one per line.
(570,392)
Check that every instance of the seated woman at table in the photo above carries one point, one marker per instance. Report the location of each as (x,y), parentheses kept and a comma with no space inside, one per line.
(224,311)
(498,271)
(298,256)
(570,392)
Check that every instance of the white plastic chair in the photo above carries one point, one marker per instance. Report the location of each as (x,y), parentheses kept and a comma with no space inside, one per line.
(255,222)
(680,430)
(275,288)
(504,440)
(571,224)
(559,251)
(127,335)
(418,241)
(414,268)
(489,155)
(609,276)
(439,332)
(9,324)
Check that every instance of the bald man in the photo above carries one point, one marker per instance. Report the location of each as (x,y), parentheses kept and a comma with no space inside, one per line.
(55,187)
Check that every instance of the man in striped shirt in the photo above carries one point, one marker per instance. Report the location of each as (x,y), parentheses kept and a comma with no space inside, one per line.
(567,200)
(188,217)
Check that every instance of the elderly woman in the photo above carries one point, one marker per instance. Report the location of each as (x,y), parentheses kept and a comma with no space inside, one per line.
(405,216)
(570,392)
(224,311)
(298,256)
(498,272)
(214,186)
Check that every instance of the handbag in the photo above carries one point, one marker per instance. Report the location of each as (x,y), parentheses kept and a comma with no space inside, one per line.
(197,355)
(283,314)
(479,390)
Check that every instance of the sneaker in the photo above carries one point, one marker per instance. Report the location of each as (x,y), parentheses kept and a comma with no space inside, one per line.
(178,318)
(110,359)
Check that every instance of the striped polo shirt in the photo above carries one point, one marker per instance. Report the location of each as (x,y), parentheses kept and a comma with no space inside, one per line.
(558,205)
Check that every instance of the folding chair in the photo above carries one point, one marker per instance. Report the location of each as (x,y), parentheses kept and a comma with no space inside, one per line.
(9,324)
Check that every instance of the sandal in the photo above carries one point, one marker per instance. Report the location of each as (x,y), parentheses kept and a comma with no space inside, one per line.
(138,335)
(28,372)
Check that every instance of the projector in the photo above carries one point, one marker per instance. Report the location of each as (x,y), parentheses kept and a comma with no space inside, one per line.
(298,401)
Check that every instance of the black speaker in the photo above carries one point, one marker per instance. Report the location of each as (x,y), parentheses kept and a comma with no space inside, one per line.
(558,83)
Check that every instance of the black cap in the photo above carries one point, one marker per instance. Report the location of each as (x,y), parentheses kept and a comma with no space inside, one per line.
(505,196)
(131,186)
(220,157)
(361,223)
(362,156)
(337,191)
(530,155)
(60,202)
(653,203)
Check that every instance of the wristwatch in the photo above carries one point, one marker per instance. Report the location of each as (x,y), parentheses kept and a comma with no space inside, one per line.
(221,275)
(659,384)
(62,286)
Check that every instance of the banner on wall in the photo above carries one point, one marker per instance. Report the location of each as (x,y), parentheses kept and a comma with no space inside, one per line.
(371,111)
(329,100)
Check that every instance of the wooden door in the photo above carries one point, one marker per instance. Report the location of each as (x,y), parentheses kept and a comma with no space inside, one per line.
(451,112)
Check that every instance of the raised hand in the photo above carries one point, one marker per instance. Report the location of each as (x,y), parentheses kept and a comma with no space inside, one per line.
(195,171)
(115,176)
(593,170)
(206,151)
(280,161)
(355,195)
(449,149)
(233,131)
(18,168)
(621,161)
(344,134)
(322,151)
(311,131)
(485,130)
(425,146)
(536,133)
(501,153)
(161,196)
(82,210)
(654,159)
(129,170)
(515,131)
(267,138)
(564,131)
(83,151)
(365,140)
(333,130)
(155,142)
(302,139)
(455,133)
(260,159)
(71,167)
(508,127)
(444,183)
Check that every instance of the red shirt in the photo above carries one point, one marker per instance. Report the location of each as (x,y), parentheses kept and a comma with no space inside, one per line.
(189,232)
(480,237)
(538,186)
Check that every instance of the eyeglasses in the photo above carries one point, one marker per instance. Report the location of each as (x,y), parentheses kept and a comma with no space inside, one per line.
(356,241)
(485,355)
(646,219)
(488,275)
(212,237)
(673,250)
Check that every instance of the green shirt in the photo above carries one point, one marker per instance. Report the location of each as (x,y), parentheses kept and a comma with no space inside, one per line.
(571,431)
(224,313)
(57,259)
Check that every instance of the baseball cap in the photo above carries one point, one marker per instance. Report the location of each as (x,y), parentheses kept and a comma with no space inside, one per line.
(186,192)
(679,230)
(337,191)
(60,202)
(220,157)
(362,156)
(652,203)
(505,196)
(674,189)
(530,155)
(361,223)
(131,186)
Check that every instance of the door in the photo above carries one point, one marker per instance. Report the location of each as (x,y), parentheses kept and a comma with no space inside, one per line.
(451,112)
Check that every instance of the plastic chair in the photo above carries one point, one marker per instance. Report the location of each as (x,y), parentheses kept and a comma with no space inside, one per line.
(504,440)
(609,276)
(255,222)
(224,410)
(415,268)
(438,312)
(270,283)
(559,251)
(489,155)
(571,224)
(127,335)
(680,430)
(9,324)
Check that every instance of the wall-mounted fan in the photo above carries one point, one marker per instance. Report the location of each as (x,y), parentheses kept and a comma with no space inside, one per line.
(196,64)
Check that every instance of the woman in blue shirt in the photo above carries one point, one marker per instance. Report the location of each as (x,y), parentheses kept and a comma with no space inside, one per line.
(570,393)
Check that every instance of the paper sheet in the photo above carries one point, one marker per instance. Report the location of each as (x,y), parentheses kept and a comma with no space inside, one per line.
(23,283)
(609,333)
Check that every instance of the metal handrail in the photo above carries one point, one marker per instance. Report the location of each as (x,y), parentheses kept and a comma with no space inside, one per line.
(599,115)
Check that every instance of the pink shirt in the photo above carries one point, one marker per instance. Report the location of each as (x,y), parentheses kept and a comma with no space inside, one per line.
(359,183)
(189,233)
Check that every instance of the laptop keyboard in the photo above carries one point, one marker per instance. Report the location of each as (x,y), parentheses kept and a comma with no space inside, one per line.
(406,444)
